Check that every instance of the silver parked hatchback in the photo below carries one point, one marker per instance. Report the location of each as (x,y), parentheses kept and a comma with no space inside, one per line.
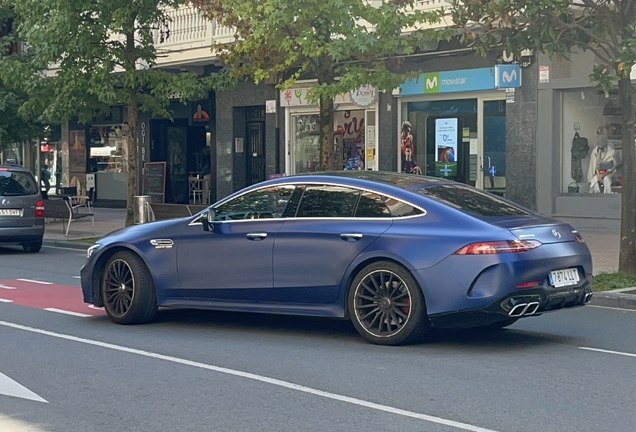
(21,208)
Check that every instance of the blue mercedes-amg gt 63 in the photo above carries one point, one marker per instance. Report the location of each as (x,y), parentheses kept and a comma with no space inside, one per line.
(396,254)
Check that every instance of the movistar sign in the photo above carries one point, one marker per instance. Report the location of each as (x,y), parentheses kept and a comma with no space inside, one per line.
(507,76)
(463,80)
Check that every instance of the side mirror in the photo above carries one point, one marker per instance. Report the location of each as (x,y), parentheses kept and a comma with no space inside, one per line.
(207,220)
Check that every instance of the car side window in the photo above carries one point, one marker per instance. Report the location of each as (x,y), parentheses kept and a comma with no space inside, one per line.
(372,205)
(400,208)
(327,201)
(263,203)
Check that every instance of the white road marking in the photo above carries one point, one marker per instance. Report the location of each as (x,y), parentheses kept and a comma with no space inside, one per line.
(14,425)
(95,307)
(612,308)
(5,300)
(9,387)
(7,287)
(36,282)
(608,351)
(77,314)
(260,378)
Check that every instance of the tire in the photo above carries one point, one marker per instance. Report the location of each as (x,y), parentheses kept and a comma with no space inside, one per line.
(32,247)
(499,325)
(127,289)
(383,295)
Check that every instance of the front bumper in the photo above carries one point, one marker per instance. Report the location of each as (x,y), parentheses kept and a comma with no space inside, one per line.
(520,304)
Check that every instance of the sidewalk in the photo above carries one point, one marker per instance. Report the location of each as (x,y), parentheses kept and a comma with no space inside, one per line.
(106,220)
(603,245)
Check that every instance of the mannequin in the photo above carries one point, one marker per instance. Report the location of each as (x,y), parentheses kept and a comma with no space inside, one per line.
(602,166)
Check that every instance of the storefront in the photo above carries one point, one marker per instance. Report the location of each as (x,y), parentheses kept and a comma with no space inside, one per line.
(453,125)
(355,129)
(579,145)
(107,161)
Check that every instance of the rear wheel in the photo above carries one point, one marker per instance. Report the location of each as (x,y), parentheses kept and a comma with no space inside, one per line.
(387,306)
(127,289)
(32,247)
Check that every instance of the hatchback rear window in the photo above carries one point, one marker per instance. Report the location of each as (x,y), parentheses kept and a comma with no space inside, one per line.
(15,183)
(472,200)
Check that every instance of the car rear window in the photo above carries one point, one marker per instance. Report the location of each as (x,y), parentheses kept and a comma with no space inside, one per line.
(472,200)
(14,183)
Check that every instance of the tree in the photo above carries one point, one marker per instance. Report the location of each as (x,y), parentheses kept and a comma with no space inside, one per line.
(343,44)
(14,127)
(102,54)
(556,27)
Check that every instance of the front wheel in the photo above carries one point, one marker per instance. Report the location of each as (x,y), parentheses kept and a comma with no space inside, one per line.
(127,289)
(387,306)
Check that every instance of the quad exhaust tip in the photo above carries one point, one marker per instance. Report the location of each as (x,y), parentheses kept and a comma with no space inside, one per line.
(524,309)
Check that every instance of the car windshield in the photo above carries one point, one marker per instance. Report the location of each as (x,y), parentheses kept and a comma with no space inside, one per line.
(14,183)
(472,200)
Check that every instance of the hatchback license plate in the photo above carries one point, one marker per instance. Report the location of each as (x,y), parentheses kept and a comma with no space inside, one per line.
(566,277)
(10,212)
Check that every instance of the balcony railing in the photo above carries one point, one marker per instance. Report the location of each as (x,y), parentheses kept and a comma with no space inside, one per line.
(190,37)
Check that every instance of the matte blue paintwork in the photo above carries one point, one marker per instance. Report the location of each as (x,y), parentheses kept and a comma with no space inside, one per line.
(303,266)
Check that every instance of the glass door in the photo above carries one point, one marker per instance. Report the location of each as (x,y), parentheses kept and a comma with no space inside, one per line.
(494,146)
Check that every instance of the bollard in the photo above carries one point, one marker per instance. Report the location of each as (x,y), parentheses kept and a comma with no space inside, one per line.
(141,208)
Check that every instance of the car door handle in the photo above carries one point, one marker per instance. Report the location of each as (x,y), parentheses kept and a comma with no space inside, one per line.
(256,236)
(351,236)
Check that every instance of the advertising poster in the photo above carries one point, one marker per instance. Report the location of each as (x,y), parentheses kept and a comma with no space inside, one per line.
(446,133)
(446,139)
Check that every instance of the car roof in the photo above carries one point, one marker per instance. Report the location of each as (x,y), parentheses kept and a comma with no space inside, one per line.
(408,182)
(13,167)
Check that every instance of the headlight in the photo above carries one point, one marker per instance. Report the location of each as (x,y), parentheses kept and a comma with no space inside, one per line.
(92,249)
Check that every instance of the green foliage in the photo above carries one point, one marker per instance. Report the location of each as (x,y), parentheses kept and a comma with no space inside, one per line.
(611,281)
(14,127)
(342,43)
(100,53)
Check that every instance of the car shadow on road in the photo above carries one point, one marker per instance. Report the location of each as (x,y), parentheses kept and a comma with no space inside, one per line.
(475,340)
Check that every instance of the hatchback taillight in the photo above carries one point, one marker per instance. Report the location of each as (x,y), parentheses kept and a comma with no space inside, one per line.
(495,247)
(39,209)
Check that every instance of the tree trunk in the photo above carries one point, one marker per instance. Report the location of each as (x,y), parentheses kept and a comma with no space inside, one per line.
(627,258)
(133,146)
(328,160)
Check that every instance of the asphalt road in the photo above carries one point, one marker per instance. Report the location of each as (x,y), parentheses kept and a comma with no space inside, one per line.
(212,371)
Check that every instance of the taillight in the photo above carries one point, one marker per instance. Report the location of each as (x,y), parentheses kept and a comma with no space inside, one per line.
(495,247)
(39,209)
(578,237)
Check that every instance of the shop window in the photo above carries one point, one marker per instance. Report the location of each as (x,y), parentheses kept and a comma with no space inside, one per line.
(592,146)
(108,150)
(306,144)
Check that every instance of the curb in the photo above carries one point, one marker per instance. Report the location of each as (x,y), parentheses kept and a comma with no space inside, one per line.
(67,244)
(620,299)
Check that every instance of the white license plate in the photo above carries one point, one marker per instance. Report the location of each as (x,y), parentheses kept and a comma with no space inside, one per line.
(566,277)
(10,212)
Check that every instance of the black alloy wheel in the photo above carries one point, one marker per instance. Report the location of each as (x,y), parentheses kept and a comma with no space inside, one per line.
(127,290)
(386,305)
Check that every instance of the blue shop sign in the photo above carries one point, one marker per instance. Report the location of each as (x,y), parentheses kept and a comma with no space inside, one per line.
(507,76)
(463,80)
